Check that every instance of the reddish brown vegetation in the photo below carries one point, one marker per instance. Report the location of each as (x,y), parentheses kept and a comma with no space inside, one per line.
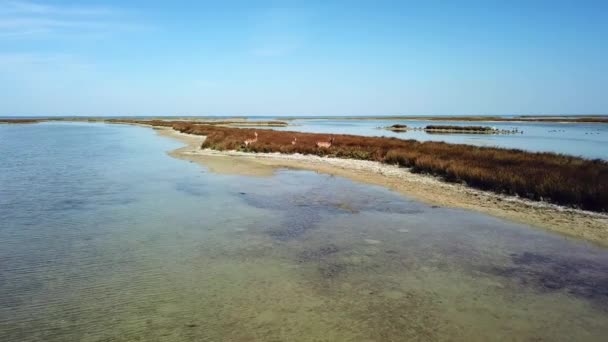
(560,179)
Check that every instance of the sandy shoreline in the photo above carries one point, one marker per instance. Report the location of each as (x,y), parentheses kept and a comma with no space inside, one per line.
(570,222)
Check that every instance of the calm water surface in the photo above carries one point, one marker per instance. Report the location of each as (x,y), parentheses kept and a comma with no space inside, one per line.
(103,237)
(580,139)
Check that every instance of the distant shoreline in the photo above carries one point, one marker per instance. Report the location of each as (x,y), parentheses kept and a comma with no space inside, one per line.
(282,121)
(233,122)
(597,119)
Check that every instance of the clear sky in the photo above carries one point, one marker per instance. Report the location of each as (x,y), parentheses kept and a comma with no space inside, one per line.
(303,57)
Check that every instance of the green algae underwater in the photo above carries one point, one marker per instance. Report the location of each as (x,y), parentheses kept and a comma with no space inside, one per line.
(106,238)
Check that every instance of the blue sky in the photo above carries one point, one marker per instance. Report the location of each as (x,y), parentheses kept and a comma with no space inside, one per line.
(303,57)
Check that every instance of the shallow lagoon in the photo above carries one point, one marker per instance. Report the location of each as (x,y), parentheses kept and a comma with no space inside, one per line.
(579,139)
(105,237)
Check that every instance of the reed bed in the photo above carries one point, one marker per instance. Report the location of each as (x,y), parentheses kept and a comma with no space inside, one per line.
(556,178)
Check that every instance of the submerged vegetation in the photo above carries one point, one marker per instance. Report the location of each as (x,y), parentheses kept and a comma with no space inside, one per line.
(560,179)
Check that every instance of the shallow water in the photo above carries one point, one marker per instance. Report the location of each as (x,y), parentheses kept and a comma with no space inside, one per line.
(578,139)
(106,238)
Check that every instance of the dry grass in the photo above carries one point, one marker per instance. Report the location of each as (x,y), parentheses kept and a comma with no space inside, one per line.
(556,178)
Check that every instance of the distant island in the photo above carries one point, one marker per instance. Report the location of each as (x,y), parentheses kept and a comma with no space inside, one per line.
(447,129)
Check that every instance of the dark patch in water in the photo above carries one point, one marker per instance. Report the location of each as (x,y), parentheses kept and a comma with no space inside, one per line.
(317,254)
(396,206)
(299,216)
(324,256)
(304,211)
(329,270)
(580,277)
(70,204)
(294,226)
(191,189)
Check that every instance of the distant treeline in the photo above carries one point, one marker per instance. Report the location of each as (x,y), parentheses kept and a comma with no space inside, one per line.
(234,122)
(556,178)
(19,121)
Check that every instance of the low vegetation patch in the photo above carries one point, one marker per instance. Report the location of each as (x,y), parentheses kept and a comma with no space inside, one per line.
(19,121)
(459,128)
(560,179)
(237,123)
(396,128)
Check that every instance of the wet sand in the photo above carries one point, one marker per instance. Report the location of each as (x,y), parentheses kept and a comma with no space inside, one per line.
(569,222)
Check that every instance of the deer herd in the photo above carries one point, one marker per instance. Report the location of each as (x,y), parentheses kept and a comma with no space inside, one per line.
(319,144)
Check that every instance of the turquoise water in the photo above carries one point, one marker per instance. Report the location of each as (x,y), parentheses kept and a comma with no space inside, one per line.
(104,237)
(580,139)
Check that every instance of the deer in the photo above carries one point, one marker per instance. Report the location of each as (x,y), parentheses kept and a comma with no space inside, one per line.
(294,141)
(325,144)
(248,142)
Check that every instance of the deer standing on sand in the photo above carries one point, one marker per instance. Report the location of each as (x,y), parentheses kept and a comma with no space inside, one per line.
(251,141)
(325,144)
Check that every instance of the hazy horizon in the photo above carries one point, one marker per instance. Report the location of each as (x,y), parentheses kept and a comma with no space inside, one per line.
(285,58)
